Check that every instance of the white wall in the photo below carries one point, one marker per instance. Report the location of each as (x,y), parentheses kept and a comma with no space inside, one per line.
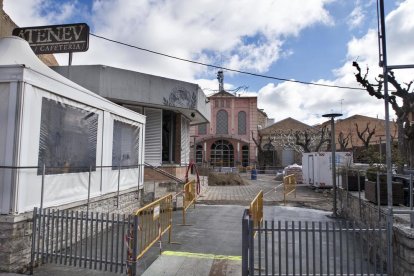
(66,188)
(185,141)
(8,98)
(153,136)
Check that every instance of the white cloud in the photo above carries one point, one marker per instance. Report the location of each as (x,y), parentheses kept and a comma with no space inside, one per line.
(302,102)
(307,103)
(211,86)
(356,17)
(400,38)
(255,56)
(220,32)
(32,12)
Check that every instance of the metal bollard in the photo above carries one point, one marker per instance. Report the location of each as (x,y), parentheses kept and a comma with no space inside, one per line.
(378,197)
(411,191)
(359,194)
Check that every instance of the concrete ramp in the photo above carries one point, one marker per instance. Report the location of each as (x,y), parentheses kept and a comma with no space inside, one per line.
(197,264)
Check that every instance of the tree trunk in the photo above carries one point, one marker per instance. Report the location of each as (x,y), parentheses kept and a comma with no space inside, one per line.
(402,143)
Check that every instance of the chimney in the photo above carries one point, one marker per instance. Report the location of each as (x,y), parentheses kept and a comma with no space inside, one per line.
(220,78)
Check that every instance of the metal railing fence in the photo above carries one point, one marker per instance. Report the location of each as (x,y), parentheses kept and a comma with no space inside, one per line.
(164,173)
(100,241)
(80,239)
(312,248)
(203,169)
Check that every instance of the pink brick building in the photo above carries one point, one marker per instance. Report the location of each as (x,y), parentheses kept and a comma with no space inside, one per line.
(227,140)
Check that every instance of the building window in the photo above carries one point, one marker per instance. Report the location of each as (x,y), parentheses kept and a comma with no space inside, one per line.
(245,156)
(202,129)
(222,154)
(199,154)
(242,122)
(222,122)
(68,138)
(125,145)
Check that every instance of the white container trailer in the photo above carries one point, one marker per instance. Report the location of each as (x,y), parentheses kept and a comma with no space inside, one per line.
(317,167)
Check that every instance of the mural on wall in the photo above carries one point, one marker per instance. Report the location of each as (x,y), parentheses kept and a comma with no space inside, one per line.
(181,97)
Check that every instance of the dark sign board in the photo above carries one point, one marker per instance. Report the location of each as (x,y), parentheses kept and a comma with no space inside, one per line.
(56,39)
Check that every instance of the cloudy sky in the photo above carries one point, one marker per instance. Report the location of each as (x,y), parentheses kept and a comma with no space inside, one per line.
(311,41)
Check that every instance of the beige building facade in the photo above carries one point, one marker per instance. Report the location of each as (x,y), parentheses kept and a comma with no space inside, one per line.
(349,126)
(277,142)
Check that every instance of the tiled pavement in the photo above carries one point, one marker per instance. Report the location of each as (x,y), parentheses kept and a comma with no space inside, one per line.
(273,193)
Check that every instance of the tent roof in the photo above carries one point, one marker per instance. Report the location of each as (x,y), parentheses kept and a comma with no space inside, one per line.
(16,52)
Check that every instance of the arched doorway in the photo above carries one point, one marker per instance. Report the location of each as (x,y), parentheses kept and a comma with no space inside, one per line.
(222,154)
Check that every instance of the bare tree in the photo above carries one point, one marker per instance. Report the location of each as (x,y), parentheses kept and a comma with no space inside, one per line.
(303,140)
(402,110)
(258,142)
(344,141)
(324,137)
(307,140)
(366,139)
(284,138)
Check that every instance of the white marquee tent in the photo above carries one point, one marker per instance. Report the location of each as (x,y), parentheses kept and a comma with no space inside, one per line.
(58,133)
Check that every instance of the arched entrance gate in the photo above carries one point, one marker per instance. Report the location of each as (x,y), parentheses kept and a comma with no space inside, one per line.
(222,154)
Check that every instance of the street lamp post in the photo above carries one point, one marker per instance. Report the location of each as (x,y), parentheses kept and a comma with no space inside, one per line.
(380,147)
(333,146)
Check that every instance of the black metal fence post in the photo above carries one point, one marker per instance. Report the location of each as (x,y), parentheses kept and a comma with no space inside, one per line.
(245,243)
(134,247)
(32,253)
(378,196)
(389,242)
(411,191)
(251,246)
(359,194)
